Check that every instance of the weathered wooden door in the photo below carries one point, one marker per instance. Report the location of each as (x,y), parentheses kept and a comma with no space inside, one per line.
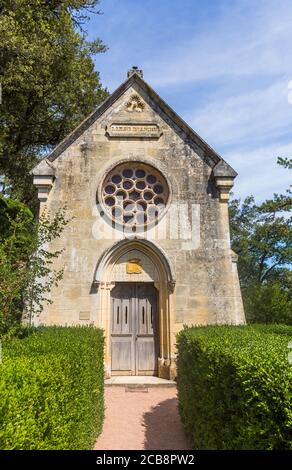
(134,329)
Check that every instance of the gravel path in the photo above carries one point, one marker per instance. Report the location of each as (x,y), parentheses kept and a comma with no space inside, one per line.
(138,420)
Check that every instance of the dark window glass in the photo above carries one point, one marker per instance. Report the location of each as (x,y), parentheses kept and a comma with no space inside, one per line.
(128,206)
(151,179)
(117,212)
(140,173)
(121,195)
(110,189)
(127,184)
(148,195)
(110,201)
(158,189)
(116,179)
(141,205)
(128,218)
(140,185)
(127,173)
(134,195)
(158,201)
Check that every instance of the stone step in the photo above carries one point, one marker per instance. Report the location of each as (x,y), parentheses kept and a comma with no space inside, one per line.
(138,383)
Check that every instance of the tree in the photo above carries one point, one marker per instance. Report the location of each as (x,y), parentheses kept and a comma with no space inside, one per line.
(262,237)
(48,82)
(269,302)
(27,274)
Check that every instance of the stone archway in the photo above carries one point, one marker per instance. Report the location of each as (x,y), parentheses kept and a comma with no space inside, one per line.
(156,268)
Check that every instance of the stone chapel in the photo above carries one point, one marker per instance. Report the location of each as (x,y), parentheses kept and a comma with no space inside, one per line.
(147,249)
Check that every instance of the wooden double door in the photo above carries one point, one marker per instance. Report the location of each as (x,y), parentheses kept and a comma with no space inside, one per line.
(134,329)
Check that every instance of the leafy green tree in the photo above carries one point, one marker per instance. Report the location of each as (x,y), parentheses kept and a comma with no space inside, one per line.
(48,82)
(262,237)
(16,245)
(27,274)
(269,302)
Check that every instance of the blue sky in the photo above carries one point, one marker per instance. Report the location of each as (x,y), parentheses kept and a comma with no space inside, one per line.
(223,65)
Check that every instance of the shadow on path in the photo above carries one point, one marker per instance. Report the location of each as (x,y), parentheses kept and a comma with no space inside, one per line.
(163,427)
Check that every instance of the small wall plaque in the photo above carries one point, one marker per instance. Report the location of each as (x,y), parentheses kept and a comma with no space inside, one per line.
(134,266)
(84,315)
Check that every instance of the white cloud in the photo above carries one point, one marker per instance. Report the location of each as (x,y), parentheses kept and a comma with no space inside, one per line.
(258,172)
(260,115)
(241,43)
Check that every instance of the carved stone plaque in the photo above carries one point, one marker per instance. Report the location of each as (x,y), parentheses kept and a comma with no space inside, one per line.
(84,315)
(134,266)
(135,104)
(145,130)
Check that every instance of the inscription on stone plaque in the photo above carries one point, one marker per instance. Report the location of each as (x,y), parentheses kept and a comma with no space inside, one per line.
(151,130)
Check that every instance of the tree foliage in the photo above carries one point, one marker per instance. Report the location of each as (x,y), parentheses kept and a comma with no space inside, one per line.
(26,265)
(262,237)
(48,81)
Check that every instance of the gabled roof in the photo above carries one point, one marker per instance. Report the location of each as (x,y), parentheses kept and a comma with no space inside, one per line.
(135,78)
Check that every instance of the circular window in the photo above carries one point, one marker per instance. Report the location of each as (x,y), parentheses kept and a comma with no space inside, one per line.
(134,194)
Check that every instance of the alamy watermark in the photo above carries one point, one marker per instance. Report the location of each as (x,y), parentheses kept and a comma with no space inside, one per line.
(178,221)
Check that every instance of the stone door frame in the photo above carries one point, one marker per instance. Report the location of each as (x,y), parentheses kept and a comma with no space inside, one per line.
(165,287)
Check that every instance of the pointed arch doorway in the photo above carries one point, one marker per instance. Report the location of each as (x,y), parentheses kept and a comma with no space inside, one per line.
(136,309)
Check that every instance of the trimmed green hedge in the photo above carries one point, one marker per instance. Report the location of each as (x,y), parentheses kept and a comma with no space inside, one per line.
(235,387)
(51,389)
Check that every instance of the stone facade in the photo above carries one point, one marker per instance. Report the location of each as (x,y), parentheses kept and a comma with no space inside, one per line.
(186,253)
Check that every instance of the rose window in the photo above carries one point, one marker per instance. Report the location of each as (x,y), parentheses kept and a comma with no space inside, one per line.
(134,194)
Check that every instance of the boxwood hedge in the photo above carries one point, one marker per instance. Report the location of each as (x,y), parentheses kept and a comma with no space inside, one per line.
(234,386)
(51,389)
